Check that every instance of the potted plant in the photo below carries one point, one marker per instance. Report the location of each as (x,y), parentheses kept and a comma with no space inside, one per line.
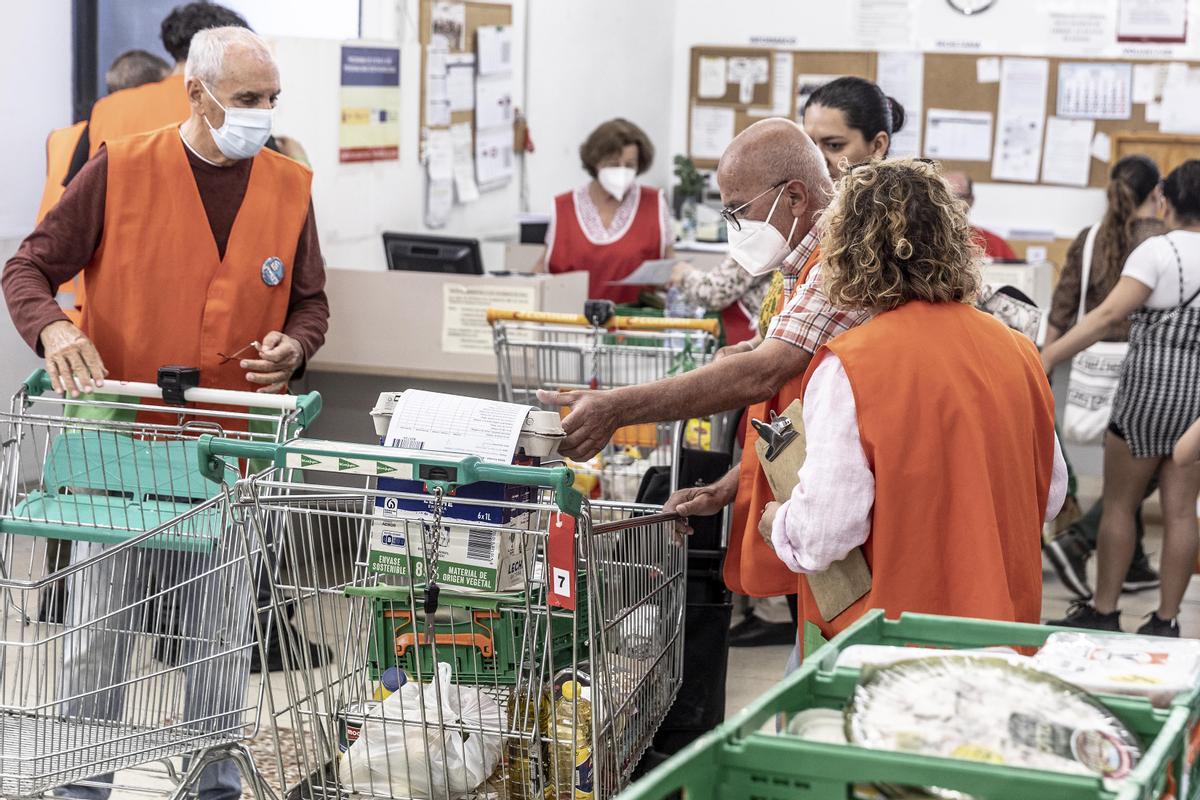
(689,191)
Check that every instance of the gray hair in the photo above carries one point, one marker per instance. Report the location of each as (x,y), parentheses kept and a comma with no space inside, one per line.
(207,54)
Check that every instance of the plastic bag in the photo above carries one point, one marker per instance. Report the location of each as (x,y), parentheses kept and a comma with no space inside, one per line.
(448,753)
(1147,666)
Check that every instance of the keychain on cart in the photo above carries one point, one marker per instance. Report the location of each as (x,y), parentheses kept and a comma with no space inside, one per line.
(431,561)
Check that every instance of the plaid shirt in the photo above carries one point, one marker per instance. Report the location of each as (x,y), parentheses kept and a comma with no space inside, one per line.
(808,320)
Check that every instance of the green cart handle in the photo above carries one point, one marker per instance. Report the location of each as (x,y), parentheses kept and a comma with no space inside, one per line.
(305,406)
(471,469)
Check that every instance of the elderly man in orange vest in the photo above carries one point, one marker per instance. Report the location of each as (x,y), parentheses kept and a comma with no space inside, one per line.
(195,242)
(774,184)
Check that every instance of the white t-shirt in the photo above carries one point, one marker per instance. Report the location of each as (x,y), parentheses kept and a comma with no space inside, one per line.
(1154,264)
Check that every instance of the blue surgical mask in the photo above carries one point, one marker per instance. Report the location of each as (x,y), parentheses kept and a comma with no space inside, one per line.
(244,132)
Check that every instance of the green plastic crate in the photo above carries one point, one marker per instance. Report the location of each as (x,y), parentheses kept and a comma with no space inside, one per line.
(483,641)
(737,761)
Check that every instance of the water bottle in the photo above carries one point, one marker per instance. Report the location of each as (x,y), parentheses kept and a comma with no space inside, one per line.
(678,307)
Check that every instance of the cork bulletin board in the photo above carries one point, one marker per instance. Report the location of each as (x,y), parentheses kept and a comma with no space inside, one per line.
(950,82)
(478,15)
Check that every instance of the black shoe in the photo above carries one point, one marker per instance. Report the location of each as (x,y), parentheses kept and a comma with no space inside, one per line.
(1140,577)
(318,654)
(1156,626)
(1082,615)
(1069,555)
(753,632)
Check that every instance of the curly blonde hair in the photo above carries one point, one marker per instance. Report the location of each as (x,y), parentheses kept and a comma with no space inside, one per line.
(894,233)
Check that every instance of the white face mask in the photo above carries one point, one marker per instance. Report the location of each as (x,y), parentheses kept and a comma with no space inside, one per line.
(244,132)
(758,247)
(616,180)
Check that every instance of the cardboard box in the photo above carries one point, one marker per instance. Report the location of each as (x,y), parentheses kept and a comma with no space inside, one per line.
(502,494)
(479,557)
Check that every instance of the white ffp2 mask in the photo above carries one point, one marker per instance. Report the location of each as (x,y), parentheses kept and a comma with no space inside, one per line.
(244,131)
(758,247)
(616,180)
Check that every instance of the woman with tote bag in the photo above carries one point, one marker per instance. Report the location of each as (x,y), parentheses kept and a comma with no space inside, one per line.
(1156,401)
(1093,265)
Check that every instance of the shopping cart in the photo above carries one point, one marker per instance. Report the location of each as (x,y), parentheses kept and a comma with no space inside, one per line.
(538,350)
(478,673)
(128,586)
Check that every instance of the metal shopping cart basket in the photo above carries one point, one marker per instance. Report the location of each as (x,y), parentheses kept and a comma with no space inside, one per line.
(127,585)
(538,350)
(591,597)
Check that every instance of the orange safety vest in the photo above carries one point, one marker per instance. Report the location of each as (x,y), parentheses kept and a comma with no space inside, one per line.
(60,148)
(956,419)
(143,108)
(751,566)
(159,293)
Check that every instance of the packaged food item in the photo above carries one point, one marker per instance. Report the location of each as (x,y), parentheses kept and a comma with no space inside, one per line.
(984,709)
(857,656)
(1145,666)
(571,770)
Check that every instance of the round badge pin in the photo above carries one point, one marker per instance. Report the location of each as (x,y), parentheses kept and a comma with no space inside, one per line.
(272,271)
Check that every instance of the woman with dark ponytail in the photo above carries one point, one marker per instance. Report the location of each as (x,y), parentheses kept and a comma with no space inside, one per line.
(852,120)
(1135,203)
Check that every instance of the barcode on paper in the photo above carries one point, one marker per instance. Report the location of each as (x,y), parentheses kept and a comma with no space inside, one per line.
(409,443)
(480,544)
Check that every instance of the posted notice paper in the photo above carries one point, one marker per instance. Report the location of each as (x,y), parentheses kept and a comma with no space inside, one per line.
(465,328)
(958,135)
(460,81)
(712,78)
(495,46)
(781,87)
(1021,119)
(902,76)
(1095,91)
(1068,158)
(712,131)
(465,426)
(370,100)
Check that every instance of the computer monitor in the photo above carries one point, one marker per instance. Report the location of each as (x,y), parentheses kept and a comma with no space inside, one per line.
(420,253)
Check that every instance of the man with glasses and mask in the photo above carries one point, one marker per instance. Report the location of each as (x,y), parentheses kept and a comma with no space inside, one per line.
(775,184)
(194,241)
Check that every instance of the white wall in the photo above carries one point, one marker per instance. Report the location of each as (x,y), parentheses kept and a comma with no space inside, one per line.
(1010,27)
(588,62)
(35,98)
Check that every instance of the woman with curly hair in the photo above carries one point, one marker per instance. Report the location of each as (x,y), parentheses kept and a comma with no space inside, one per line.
(930,427)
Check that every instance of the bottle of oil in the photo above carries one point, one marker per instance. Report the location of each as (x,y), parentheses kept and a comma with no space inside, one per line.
(571,767)
(529,714)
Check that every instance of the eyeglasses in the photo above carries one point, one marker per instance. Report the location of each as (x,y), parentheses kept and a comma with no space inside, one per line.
(730,214)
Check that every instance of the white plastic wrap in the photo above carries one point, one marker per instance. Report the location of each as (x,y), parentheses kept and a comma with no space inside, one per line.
(857,656)
(1144,666)
(983,709)
(448,756)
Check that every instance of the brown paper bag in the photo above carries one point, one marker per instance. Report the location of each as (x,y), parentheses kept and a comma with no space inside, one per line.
(838,587)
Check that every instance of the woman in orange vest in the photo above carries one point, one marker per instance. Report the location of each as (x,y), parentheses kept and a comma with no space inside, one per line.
(608,226)
(930,428)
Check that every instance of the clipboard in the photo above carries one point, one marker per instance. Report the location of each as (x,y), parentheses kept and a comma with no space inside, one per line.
(781,451)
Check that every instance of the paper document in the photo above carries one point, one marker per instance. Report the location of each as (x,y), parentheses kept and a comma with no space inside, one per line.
(446,423)
(711,78)
(987,70)
(1068,159)
(1102,147)
(652,272)
(448,25)
(1180,108)
(712,131)
(460,81)
(1021,119)
(883,24)
(493,156)
(439,155)
(1075,26)
(1148,82)
(747,73)
(1095,91)
(1152,21)
(465,328)
(461,142)
(902,76)
(495,49)
(493,102)
(958,135)
(781,87)
(439,201)
(437,101)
